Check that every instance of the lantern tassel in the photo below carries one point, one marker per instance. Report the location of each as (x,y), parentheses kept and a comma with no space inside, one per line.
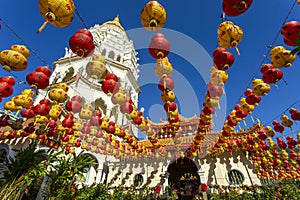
(42,27)
(17,113)
(237,51)
(252,118)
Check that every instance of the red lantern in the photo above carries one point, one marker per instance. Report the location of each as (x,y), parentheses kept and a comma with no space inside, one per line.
(165,83)
(208,111)
(157,189)
(295,114)
(291,33)
(277,126)
(270,74)
(251,98)
(235,7)
(223,59)
(74,106)
(159,46)
(281,143)
(41,109)
(214,90)
(110,86)
(8,79)
(44,69)
(37,80)
(81,43)
(126,108)
(5,89)
(28,113)
(204,187)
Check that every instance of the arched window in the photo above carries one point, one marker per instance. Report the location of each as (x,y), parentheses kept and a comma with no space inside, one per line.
(103,53)
(138,180)
(3,152)
(91,172)
(235,177)
(111,55)
(119,58)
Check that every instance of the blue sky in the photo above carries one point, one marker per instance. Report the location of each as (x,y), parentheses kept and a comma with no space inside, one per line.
(195,20)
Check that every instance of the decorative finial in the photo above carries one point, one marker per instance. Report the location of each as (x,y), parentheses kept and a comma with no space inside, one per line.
(116,19)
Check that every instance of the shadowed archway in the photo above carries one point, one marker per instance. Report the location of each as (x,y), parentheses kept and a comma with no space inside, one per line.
(183,176)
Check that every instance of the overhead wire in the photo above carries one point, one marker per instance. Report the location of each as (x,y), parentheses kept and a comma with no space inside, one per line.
(290,106)
(77,14)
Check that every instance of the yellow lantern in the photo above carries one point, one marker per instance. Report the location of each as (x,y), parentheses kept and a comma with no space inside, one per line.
(56,12)
(260,88)
(168,96)
(57,94)
(153,16)
(285,121)
(25,99)
(282,57)
(55,111)
(229,35)
(96,68)
(11,106)
(86,112)
(14,59)
(119,97)
(163,67)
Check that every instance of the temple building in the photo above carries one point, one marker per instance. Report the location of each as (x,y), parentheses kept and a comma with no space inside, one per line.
(177,169)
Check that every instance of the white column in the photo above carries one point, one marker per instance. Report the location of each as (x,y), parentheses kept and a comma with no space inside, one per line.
(166,177)
(201,175)
(99,174)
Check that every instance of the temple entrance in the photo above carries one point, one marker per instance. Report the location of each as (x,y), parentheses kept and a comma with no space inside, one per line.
(183,176)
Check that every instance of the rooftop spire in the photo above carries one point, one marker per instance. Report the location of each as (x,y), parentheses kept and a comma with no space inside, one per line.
(115,22)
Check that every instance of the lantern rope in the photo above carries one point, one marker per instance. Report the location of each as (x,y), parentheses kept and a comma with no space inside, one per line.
(269,122)
(80,18)
(16,35)
(270,48)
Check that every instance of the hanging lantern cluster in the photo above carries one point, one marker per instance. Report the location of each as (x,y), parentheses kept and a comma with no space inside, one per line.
(291,33)
(229,35)
(40,78)
(96,68)
(122,97)
(214,91)
(81,43)
(23,100)
(15,59)
(166,86)
(281,57)
(6,86)
(235,7)
(153,16)
(58,13)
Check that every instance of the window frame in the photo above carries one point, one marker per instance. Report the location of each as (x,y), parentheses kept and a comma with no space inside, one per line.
(233,182)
